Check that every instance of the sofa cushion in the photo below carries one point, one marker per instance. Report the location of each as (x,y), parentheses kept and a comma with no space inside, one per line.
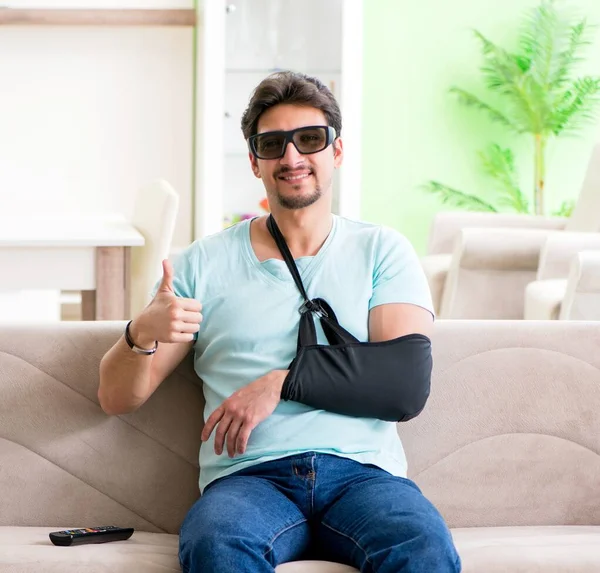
(551,549)
(29,550)
(575,549)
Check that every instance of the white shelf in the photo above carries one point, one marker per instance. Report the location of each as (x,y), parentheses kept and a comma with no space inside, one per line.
(97,17)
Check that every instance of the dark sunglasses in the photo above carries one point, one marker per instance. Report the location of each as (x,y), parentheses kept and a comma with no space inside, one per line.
(307,140)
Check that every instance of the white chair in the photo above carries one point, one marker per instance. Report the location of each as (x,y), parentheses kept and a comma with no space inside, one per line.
(154,215)
(483,262)
(582,297)
(576,297)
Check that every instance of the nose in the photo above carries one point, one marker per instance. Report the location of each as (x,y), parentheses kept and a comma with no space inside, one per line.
(291,157)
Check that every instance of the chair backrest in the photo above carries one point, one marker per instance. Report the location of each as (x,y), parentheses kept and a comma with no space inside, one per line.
(155,211)
(586,214)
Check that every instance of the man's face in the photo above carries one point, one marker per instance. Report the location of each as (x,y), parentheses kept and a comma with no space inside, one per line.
(296,180)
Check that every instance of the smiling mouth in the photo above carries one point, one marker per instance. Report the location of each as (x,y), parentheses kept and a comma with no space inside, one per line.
(293,178)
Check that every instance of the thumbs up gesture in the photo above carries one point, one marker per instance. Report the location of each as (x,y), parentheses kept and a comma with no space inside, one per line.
(168,318)
(166,284)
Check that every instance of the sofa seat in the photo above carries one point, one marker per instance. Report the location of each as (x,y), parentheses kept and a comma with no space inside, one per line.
(544,298)
(575,549)
(529,549)
(29,550)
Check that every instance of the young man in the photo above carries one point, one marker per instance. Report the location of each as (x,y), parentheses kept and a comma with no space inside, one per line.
(280,480)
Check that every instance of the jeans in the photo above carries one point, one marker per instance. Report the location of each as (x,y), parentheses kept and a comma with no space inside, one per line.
(315,506)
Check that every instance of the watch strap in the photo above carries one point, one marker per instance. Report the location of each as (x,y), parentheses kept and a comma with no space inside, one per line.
(136,348)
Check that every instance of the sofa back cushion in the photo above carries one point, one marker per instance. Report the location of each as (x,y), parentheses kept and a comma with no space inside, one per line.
(510,435)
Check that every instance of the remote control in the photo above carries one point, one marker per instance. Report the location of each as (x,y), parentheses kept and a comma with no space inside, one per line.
(91,535)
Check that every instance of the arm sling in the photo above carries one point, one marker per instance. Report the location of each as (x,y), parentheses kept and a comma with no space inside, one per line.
(387,380)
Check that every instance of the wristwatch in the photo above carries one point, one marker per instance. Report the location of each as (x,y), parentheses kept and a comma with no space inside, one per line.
(133,346)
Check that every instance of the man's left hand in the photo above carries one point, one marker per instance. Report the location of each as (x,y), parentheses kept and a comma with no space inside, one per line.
(237,416)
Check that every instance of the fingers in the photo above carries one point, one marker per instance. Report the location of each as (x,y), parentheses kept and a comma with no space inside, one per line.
(189,317)
(222,429)
(232,430)
(166,284)
(232,436)
(180,337)
(186,327)
(210,424)
(190,305)
(243,436)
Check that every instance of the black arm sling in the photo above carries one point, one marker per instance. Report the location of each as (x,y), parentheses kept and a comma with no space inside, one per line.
(387,380)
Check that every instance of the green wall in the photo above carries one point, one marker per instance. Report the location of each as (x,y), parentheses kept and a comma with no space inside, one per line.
(414,131)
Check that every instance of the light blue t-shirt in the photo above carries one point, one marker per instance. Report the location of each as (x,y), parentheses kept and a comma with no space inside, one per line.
(250,328)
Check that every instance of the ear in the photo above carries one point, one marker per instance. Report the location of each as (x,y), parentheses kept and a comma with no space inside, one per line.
(338,152)
(254,165)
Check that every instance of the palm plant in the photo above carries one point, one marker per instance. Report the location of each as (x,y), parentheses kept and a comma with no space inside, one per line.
(541,98)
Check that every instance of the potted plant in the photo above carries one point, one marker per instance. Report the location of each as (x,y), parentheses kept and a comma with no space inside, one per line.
(541,98)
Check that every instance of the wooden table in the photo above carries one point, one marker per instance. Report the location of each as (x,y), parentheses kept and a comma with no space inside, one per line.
(90,254)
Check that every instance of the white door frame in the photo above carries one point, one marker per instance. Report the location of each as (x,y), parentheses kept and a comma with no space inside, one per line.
(209,106)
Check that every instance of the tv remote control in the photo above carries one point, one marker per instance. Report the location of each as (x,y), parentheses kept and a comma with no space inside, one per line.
(91,535)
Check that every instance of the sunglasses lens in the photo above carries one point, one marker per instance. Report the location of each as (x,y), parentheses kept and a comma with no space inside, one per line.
(269,146)
(311,140)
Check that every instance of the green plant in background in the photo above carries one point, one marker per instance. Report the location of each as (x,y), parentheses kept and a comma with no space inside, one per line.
(540,97)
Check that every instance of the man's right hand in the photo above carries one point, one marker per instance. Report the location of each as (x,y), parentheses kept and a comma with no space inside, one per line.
(167,318)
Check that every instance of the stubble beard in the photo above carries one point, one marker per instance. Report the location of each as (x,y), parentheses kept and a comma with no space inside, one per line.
(299,201)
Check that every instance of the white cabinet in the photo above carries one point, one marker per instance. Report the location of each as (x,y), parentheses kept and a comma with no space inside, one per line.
(267,34)
(240,42)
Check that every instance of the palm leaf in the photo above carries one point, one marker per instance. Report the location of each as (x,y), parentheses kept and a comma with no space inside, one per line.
(469,100)
(503,74)
(540,41)
(579,106)
(565,209)
(499,165)
(569,57)
(448,195)
(500,68)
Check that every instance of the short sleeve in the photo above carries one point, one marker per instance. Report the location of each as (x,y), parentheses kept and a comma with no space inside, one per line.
(398,275)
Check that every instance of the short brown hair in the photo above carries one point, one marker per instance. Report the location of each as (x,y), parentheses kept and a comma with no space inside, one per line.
(291,88)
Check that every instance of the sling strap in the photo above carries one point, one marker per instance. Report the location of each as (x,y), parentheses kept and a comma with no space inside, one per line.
(307,335)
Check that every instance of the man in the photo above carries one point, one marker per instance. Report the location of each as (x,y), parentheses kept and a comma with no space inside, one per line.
(280,480)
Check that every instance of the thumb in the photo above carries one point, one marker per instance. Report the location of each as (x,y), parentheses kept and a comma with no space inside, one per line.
(166,284)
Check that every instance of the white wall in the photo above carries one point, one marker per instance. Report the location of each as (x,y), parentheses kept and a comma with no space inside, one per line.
(88,115)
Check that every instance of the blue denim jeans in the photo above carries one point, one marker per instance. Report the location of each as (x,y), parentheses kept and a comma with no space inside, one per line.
(315,506)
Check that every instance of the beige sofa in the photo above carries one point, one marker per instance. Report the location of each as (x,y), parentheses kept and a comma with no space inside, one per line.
(508,448)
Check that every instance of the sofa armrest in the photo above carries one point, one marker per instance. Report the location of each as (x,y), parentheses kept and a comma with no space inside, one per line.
(447,225)
(559,250)
(582,298)
(489,271)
